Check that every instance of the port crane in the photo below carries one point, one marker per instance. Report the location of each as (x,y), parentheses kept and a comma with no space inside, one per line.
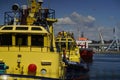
(115,43)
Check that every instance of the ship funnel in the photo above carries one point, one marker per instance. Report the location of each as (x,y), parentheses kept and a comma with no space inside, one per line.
(15,7)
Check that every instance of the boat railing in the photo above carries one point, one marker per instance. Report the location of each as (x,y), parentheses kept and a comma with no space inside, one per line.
(47,13)
(26,48)
(9,17)
(41,15)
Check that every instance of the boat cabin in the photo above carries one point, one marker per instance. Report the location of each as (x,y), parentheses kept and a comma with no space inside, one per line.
(65,40)
(23,36)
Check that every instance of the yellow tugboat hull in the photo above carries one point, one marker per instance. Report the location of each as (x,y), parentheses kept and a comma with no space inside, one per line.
(47,64)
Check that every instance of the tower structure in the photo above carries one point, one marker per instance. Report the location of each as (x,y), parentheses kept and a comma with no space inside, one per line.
(115,43)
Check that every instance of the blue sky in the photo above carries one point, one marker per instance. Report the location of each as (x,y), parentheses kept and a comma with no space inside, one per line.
(86,15)
(103,10)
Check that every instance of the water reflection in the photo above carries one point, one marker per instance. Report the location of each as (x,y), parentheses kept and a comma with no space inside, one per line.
(104,67)
(76,75)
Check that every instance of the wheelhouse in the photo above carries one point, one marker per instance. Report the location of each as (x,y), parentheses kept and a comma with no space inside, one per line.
(65,40)
(23,36)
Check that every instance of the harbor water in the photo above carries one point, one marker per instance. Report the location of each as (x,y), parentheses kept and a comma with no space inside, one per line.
(105,66)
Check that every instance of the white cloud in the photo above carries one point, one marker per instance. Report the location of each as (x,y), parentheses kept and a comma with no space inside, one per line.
(78,23)
(83,20)
(65,20)
(90,18)
(76,18)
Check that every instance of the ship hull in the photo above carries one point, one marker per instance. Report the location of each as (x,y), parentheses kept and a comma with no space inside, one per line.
(86,55)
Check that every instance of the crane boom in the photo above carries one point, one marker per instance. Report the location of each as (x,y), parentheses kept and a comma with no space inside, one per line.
(102,41)
(100,34)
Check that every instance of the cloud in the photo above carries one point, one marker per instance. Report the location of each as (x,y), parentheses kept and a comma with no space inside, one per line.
(90,18)
(78,19)
(83,20)
(78,23)
(66,20)
(75,23)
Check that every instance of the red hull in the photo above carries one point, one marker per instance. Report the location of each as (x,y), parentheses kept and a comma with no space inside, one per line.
(86,55)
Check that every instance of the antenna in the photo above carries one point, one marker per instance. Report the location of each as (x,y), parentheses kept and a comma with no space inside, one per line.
(78,33)
(82,34)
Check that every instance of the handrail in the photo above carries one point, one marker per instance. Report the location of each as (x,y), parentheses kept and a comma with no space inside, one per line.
(42,14)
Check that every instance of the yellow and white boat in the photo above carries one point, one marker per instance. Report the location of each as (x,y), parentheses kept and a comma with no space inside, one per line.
(65,41)
(27,45)
(66,45)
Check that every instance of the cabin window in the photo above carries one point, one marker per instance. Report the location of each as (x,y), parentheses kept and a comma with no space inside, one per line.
(21,39)
(7,28)
(37,40)
(63,45)
(21,28)
(6,39)
(63,39)
(36,28)
(69,39)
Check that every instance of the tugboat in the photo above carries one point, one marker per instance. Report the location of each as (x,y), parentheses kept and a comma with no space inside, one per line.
(85,52)
(66,45)
(27,45)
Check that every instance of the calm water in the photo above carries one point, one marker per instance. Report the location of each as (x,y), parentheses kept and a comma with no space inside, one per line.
(104,67)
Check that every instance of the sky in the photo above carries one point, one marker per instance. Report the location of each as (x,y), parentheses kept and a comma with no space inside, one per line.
(77,16)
